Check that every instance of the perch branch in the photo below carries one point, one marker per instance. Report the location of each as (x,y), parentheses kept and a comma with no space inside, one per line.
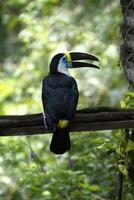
(88,119)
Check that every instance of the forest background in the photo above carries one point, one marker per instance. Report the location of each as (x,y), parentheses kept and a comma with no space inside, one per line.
(31,32)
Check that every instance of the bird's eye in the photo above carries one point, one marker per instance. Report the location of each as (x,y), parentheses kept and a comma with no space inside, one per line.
(64,58)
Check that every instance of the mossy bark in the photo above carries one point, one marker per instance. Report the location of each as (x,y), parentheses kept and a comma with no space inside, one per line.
(127,47)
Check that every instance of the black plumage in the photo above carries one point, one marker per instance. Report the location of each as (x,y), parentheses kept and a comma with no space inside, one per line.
(60,98)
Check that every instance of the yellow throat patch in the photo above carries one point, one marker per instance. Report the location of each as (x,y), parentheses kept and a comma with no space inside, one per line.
(63,123)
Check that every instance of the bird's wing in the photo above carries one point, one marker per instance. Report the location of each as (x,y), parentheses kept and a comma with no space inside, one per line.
(73,100)
(48,101)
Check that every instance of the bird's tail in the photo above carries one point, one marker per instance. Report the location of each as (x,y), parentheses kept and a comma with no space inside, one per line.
(60,142)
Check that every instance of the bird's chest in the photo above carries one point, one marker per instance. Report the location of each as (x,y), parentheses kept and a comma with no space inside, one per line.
(59,82)
(59,90)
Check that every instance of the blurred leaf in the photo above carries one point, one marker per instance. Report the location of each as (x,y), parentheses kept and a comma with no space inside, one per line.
(130,146)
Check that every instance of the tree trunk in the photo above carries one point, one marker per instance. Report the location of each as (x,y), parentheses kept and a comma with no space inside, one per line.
(127,48)
(127,58)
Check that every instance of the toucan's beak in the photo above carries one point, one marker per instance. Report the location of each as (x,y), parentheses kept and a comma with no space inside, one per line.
(74,56)
(83,56)
(83,64)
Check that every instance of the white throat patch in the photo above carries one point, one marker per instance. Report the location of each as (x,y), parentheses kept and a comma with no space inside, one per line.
(63,69)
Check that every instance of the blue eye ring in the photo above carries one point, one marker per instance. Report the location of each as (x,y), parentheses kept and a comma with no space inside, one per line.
(64,58)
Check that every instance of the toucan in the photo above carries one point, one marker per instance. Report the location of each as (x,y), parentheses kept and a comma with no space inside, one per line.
(60,96)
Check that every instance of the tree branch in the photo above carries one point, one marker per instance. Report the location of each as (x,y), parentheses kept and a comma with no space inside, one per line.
(88,119)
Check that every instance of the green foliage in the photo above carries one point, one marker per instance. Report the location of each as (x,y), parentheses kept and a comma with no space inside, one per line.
(122,146)
(31,32)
